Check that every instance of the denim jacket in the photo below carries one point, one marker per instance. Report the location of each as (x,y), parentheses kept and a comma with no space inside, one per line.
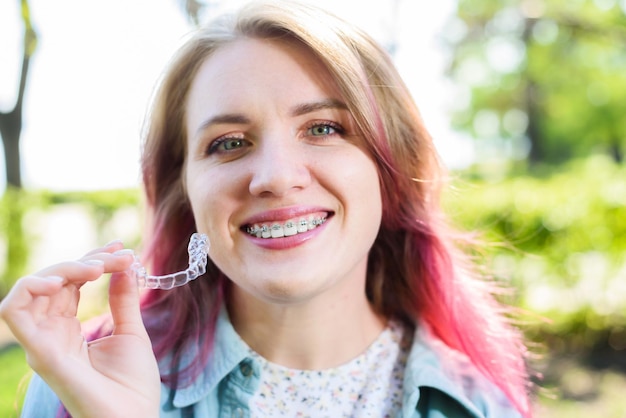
(438,383)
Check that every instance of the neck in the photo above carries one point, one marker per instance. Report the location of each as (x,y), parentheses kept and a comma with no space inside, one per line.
(313,335)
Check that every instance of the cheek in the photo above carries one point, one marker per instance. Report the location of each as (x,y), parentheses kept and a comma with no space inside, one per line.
(214,193)
(201,192)
(364,183)
(354,180)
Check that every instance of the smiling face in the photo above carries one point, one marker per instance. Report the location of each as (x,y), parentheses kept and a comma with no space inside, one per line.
(275,174)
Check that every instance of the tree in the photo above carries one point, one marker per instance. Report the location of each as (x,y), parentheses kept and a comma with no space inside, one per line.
(195,10)
(545,80)
(11,121)
(14,200)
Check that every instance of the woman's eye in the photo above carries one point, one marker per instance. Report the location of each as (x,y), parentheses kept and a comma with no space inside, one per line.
(325,129)
(232,144)
(322,130)
(226,144)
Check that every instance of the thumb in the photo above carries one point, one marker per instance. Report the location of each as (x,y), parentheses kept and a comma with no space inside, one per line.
(124,304)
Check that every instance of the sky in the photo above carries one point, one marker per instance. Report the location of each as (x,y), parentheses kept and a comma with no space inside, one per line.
(97,62)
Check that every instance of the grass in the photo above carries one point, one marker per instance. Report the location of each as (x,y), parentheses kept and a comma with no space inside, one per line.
(14,374)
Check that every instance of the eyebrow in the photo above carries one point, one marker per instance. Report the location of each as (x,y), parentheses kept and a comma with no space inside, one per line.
(305,108)
(227,118)
(298,110)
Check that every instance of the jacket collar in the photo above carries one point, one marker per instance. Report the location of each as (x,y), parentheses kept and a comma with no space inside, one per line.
(433,364)
(229,351)
(425,369)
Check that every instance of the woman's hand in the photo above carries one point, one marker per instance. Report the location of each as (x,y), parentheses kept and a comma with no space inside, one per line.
(109,377)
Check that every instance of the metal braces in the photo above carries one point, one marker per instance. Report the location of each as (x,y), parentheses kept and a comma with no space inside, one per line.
(253,230)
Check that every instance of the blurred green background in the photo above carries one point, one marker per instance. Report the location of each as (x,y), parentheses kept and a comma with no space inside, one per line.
(540,90)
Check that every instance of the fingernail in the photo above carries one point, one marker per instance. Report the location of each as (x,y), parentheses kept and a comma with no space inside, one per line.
(115,241)
(55,278)
(125,251)
(94,262)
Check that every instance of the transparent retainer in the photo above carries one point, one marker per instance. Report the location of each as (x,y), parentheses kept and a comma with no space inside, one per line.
(198,250)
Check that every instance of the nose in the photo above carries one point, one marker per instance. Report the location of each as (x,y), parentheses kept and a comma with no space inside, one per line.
(279,167)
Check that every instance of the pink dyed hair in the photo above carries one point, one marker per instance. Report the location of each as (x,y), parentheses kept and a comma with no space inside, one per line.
(415,271)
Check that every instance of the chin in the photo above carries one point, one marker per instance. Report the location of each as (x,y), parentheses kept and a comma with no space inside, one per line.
(284,291)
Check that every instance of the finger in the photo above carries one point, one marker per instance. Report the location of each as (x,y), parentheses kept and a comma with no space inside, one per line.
(27,288)
(111,247)
(90,267)
(124,304)
(17,307)
(65,302)
(117,261)
(75,271)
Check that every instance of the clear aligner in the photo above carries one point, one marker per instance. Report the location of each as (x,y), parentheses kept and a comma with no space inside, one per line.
(198,252)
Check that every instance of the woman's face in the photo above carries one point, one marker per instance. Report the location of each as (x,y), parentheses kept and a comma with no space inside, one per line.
(275,174)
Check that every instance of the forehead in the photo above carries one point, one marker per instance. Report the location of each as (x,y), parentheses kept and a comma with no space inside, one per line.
(246,67)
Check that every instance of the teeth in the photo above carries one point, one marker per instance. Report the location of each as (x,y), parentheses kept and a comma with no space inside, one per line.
(278,231)
(303,225)
(289,228)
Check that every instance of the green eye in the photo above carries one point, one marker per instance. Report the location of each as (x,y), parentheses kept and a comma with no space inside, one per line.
(232,144)
(224,145)
(322,130)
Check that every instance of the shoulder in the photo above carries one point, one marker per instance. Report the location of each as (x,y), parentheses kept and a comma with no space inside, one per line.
(40,401)
(442,382)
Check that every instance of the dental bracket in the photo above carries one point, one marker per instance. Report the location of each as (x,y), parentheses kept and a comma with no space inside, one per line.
(308,224)
(198,250)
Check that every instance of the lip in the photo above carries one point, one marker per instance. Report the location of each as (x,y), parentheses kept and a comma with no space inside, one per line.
(281,215)
(285,243)
(284,214)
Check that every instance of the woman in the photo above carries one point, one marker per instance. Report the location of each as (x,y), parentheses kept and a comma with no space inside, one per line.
(333,286)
